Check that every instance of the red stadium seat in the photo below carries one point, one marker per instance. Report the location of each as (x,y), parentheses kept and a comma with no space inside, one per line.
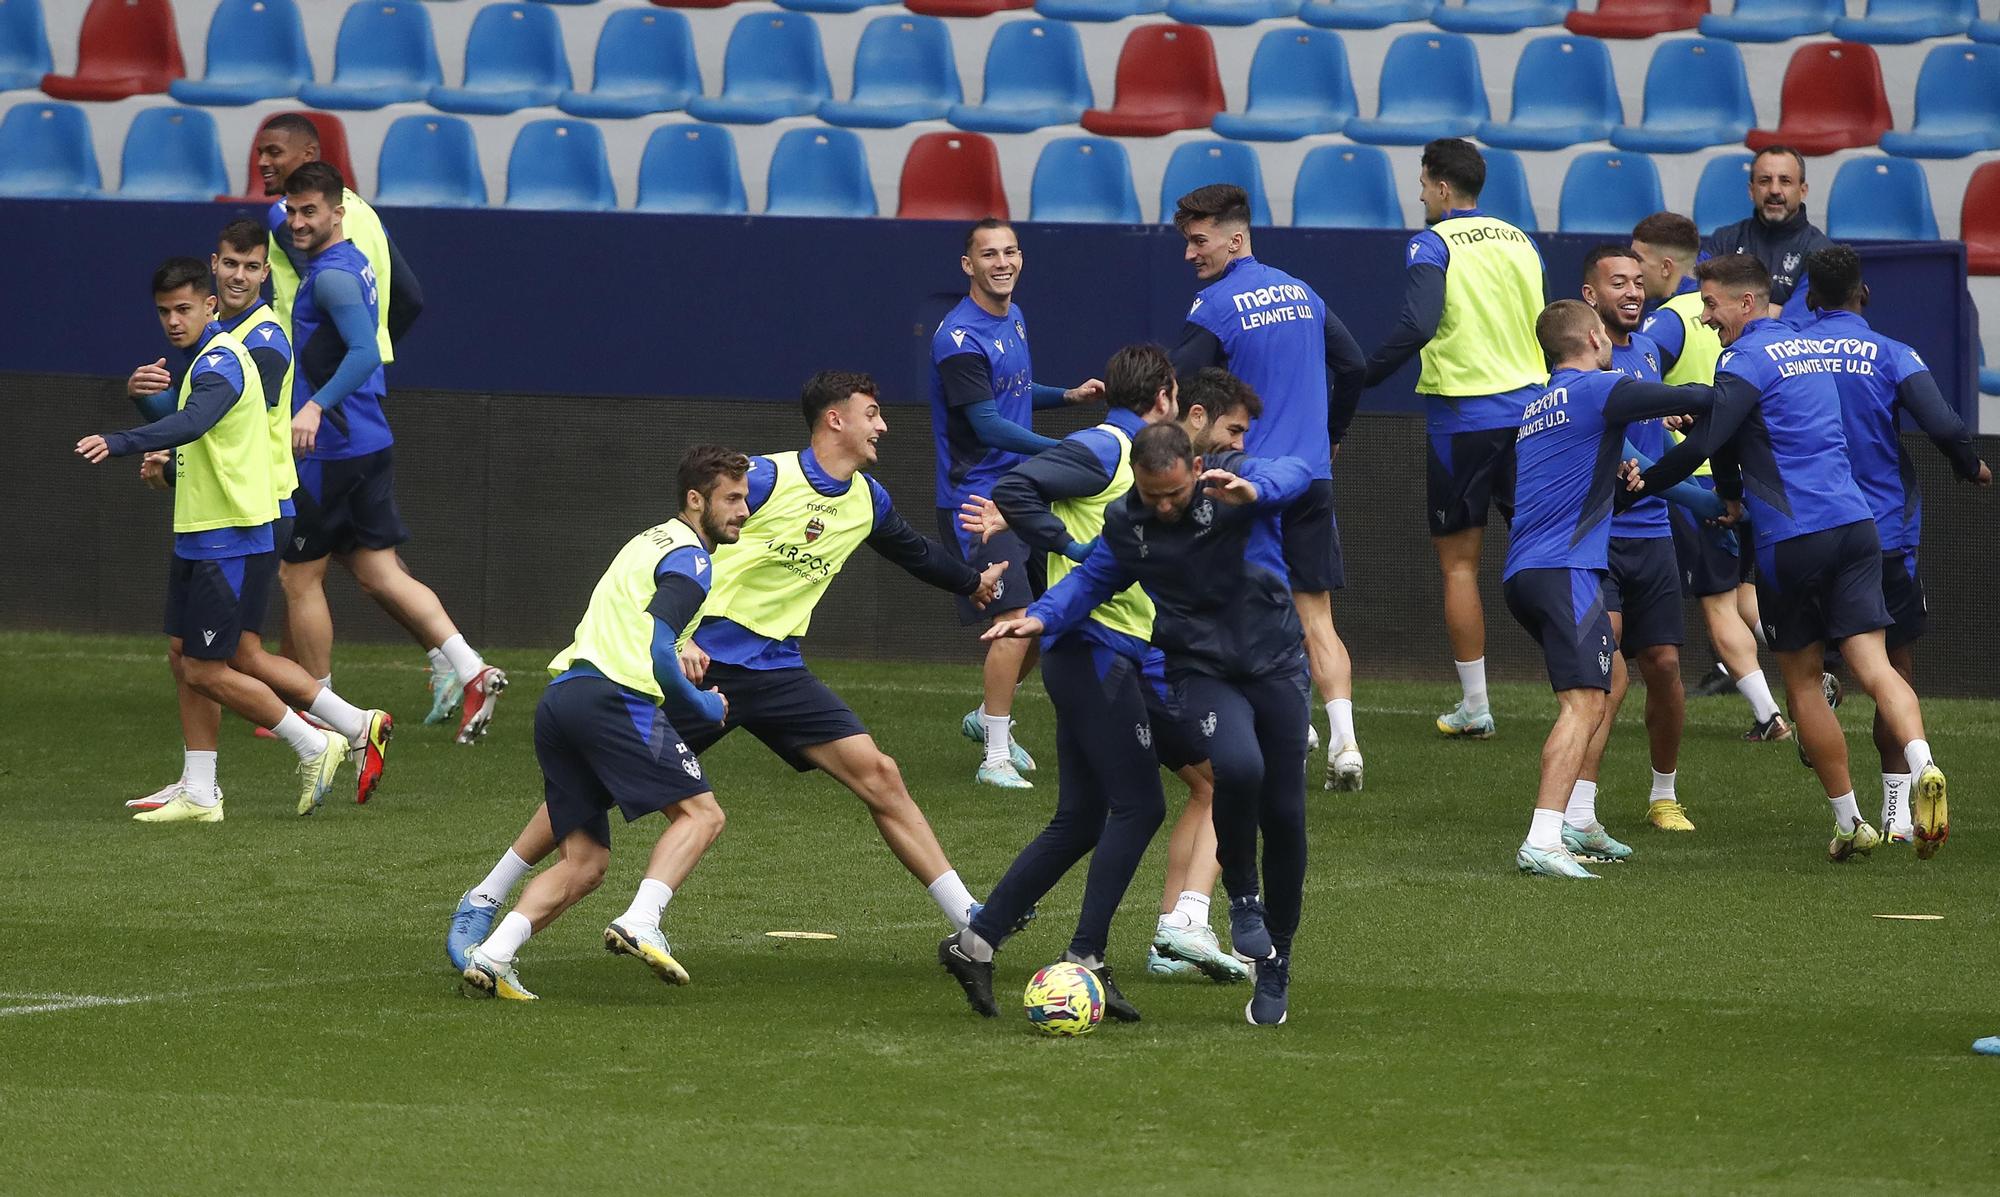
(332,150)
(1167,80)
(1636,18)
(1979,221)
(1833,100)
(952,176)
(127,48)
(964,8)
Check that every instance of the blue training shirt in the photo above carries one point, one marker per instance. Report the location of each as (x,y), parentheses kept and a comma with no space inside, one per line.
(355,425)
(1872,371)
(1639,358)
(966,466)
(1273,333)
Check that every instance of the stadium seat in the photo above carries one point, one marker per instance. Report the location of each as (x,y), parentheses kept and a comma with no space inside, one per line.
(1979,221)
(46,152)
(903,71)
(172,154)
(964,8)
(1773,20)
(830,5)
(1989,378)
(24,45)
(1564,94)
(1199,163)
(1958,105)
(1299,85)
(256,51)
(645,64)
(1084,180)
(691,168)
(1506,193)
(514,59)
(1608,193)
(1881,199)
(819,172)
(332,150)
(560,164)
(1499,16)
(126,48)
(1430,88)
(1832,100)
(1346,187)
(952,176)
(1231,12)
(385,55)
(1035,78)
(1722,194)
(1167,80)
(1894,22)
(694,3)
(1636,18)
(1098,10)
(430,161)
(1985,31)
(1697,95)
(772,68)
(1363,14)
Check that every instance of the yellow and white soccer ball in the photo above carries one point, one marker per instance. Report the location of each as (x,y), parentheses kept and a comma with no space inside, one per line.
(1064,999)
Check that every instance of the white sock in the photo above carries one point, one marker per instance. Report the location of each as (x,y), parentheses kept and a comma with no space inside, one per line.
(1917,753)
(1895,801)
(305,739)
(1472,681)
(198,777)
(1582,809)
(501,881)
(1663,786)
(1176,919)
(464,662)
(1757,692)
(1545,831)
(1340,717)
(647,905)
(999,730)
(326,683)
(439,664)
(507,938)
(340,715)
(1845,813)
(1193,907)
(953,898)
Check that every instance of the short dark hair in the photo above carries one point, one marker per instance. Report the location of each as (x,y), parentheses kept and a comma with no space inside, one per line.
(829,387)
(705,465)
(1563,328)
(244,234)
(1219,392)
(1599,253)
(1456,161)
(293,123)
(1739,272)
(317,178)
(1135,375)
(1768,150)
(1224,203)
(1161,447)
(991,222)
(1669,230)
(175,273)
(1834,275)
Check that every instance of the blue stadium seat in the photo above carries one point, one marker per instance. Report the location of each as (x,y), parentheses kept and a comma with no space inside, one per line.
(256,51)
(560,164)
(1035,78)
(691,168)
(1958,105)
(1098,10)
(172,154)
(1231,12)
(819,172)
(514,59)
(1346,187)
(24,45)
(645,64)
(1894,22)
(1881,199)
(1500,16)
(385,55)
(1608,192)
(1985,31)
(1564,93)
(430,161)
(46,153)
(1506,193)
(1364,14)
(1084,180)
(1773,20)
(1697,95)
(903,71)
(1722,194)
(773,67)
(1199,163)
(830,5)
(1431,88)
(1299,85)
(1989,377)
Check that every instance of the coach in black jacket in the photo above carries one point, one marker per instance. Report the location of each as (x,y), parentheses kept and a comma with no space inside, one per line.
(1777,233)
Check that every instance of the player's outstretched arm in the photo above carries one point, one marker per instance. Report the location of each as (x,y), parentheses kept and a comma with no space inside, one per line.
(1272,481)
(1080,466)
(216,389)
(1919,395)
(1083,590)
(916,554)
(1090,390)
(1734,399)
(967,382)
(1423,309)
(149,389)
(1702,503)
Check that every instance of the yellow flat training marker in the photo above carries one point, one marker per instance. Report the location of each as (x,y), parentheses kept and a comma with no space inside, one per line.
(831,935)
(1913,918)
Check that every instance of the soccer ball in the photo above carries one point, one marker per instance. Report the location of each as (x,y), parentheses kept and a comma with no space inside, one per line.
(1064,999)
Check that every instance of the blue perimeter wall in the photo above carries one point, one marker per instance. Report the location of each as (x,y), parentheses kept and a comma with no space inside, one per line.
(631,304)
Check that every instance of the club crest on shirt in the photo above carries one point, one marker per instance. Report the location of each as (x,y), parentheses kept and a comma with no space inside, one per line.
(1208,726)
(1204,513)
(1020,332)
(813,528)
(1652,363)
(1145,733)
(692,766)
(1791,263)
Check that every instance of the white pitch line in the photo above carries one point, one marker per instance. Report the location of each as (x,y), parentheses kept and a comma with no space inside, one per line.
(57,1003)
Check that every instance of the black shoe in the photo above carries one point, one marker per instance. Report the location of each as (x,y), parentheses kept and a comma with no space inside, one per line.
(1247,933)
(1267,1001)
(1717,682)
(1116,1004)
(973,976)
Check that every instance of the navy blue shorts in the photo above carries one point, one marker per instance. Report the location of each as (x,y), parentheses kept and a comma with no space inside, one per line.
(1563,609)
(1312,541)
(281,535)
(1469,472)
(345,504)
(1177,742)
(1707,556)
(1018,586)
(1822,587)
(790,710)
(601,745)
(1644,585)
(1903,594)
(210,604)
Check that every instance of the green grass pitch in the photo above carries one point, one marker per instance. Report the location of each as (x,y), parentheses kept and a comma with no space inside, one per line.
(264,1006)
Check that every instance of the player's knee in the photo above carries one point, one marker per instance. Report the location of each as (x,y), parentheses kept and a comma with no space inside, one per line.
(886,779)
(589,872)
(707,815)
(1660,665)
